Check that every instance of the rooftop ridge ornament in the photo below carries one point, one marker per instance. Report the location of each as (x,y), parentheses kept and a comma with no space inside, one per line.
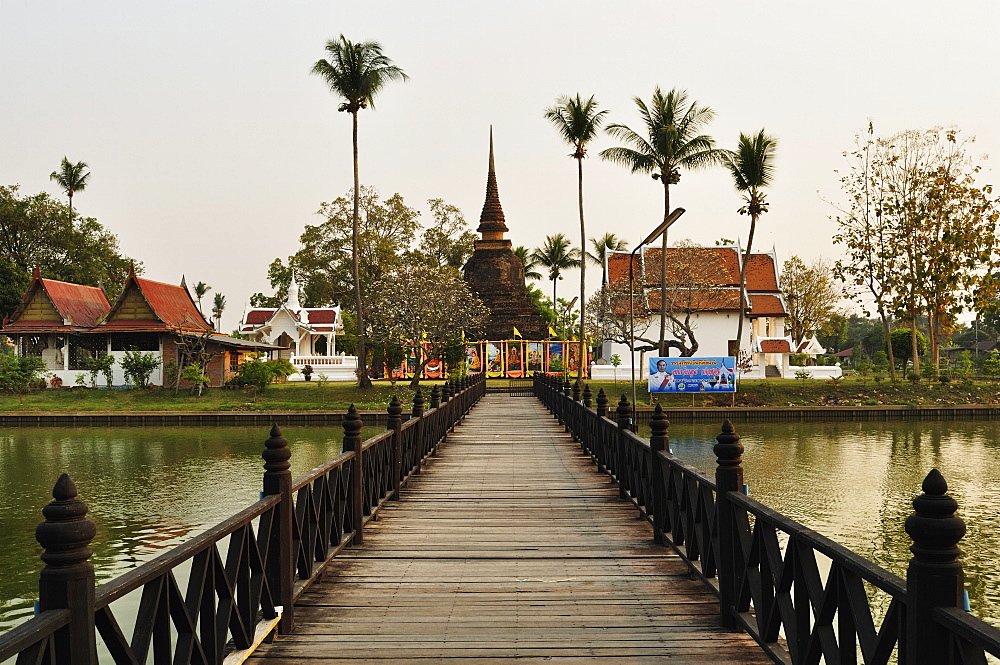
(491,222)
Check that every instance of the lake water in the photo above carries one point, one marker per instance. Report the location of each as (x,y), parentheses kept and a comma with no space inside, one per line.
(151,488)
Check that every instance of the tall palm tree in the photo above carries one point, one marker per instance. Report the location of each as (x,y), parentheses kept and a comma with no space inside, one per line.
(357,72)
(528,261)
(609,242)
(672,140)
(557,255)
(218,307)
(200,289)
(752,168)
(577,122)
(71,178)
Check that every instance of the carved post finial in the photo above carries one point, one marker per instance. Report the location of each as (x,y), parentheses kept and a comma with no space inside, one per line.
(280,570)
(728,478)
(446,392)
(602,403)
(934,577)
(395,423)
(624,412)
(352,443)
(658,442)
(418,403)
(435,396)
(658,425)
(588,396)
(67,580)
(576,390)
(276,455)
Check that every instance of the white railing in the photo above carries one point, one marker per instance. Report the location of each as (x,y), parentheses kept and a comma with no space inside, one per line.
(325,361)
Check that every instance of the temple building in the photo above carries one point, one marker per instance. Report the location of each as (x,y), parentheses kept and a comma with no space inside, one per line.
(496,275)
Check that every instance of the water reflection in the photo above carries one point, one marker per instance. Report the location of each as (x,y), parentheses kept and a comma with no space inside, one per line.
(148,489)
(854,482)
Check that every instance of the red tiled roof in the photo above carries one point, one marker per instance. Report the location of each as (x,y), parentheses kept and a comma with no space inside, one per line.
(724,263)
(713,300)
(775,346)
(259,317)
(618,267)
(171,304)
(325,315)
(761,273)
(766,305)
(83,306)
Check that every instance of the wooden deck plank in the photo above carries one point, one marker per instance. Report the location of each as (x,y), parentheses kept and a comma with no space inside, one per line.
(509,546)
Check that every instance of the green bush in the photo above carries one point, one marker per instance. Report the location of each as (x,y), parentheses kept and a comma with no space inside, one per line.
(260,374)
(138,367)
(100,365)
(19,373)
(798,359)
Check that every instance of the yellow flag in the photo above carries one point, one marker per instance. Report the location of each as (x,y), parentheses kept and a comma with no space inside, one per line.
(517,333)
(552,333)
(424,335)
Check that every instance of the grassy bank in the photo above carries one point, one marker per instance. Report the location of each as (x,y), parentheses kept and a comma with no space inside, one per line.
(337,396)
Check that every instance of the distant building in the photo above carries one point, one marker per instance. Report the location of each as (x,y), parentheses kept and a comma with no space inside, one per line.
(66,324)
(305,335)
(496,275)
(715,307)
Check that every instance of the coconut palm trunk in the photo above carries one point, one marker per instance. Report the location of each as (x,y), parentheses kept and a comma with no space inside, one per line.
(583,277)
(364,380)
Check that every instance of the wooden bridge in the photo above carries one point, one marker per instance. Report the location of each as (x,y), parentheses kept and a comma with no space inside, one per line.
(511,531)
(509,545)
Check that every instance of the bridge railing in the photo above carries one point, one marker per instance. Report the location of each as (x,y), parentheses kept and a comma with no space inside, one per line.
(800,595)
(230,587)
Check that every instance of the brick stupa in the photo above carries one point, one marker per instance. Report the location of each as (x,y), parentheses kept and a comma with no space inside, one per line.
(496,275)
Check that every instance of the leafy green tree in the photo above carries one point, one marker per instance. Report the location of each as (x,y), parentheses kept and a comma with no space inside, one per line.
(448,240)
(200,290)
(138,367)
(324,263)
(578,122)
(752,168)
(810,295)
(672,140)
(357,72)
(528,261)
(556,255)
(38,230)
(425,305)
(902,347)
(218,307)
(602,246)
(19,373)
(71,177)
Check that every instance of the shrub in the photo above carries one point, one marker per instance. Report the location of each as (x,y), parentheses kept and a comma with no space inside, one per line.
(194,375)
(101,365)
(260,374)
(19,373)
(798,359)
(913,377)
(991,365)
(138,367)
(803,375)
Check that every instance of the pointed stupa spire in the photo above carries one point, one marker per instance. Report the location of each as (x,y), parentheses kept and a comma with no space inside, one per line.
(292,301)
(491,221)
(184,284)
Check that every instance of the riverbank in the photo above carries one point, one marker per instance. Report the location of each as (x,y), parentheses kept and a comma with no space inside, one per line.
(314,396)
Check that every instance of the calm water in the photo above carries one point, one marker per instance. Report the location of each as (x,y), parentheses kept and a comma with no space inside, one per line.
(854,482)
(149,489)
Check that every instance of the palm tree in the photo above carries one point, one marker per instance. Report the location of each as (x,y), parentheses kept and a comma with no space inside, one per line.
(556,255)
(217,308)
(752,168)
(71,178)
(609,242)
(528,261)
(356,72)
(577,121)
(672,141)
(200,289)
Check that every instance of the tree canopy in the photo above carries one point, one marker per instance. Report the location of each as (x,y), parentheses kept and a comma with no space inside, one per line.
(39,230)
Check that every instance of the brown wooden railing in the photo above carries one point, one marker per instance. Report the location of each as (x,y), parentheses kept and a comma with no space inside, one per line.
(804,598)
(244,575)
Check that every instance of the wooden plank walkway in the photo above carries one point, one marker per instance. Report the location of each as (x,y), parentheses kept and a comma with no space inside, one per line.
(509,546)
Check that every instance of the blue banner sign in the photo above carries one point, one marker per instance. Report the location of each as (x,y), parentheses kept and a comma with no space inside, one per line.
(692,375)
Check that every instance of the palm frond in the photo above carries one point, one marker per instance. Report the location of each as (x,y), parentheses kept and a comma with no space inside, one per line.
(356,71)
(752,163)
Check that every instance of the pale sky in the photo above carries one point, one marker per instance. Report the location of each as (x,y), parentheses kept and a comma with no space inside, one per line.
(211,146)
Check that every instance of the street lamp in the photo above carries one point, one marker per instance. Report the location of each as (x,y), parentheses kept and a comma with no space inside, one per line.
(657,232)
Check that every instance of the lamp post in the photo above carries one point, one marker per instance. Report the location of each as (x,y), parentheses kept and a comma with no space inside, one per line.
(657,232)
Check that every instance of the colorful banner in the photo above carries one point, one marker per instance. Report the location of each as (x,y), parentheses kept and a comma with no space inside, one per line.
(687,375)
(536,357)
(515,359)
(494,360)
(474,358)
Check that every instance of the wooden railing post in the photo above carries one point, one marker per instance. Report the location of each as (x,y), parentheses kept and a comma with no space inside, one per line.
(281,554)
(658,442)
(588,396)
(395,423)
(577,390)
(624,424)
(418,414)
(728,478)
(352,443)
(934,577)
(435,396)
(602,404)
(67,580)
